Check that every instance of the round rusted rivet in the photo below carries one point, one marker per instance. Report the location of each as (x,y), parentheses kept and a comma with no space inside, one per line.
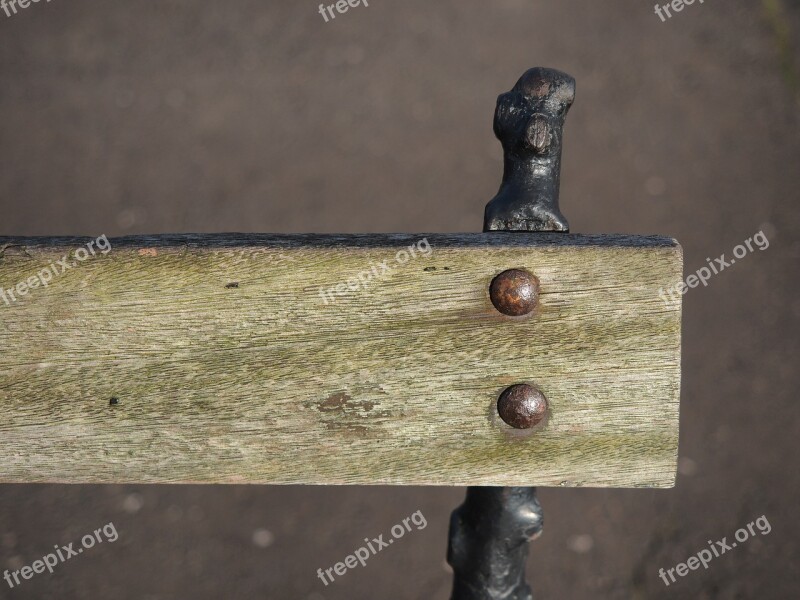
(514,292)
(522,406)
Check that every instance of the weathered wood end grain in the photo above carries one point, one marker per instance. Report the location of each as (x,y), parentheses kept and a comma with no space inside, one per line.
(228,363)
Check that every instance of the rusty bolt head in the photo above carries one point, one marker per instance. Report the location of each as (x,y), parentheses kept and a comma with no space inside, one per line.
(522,406)
(514,292)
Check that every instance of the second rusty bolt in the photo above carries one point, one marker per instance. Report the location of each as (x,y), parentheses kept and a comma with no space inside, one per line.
(522,406)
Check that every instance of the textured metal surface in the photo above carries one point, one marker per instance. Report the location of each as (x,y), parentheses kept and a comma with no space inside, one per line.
(522,406)
(489,537)
(514,292)
(529,121)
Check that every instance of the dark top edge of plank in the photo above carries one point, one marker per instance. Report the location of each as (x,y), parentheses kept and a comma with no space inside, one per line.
(366,240)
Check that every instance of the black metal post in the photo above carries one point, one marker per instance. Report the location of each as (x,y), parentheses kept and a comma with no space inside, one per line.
(489,533)
(489,537)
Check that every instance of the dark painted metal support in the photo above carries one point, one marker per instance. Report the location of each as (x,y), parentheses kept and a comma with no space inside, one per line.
(489,537)
(489,533)
(529,121)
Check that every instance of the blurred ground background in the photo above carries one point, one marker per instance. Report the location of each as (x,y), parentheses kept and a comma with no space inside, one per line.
(176,116)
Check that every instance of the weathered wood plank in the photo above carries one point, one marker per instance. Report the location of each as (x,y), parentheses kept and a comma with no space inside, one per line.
(229,365)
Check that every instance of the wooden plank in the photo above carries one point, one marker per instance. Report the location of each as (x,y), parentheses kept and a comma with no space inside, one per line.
(228,364)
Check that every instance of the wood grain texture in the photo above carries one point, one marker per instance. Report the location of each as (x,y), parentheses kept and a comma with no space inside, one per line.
(229,366)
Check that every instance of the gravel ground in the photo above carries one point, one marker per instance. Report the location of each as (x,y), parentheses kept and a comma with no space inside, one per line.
(177,116)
